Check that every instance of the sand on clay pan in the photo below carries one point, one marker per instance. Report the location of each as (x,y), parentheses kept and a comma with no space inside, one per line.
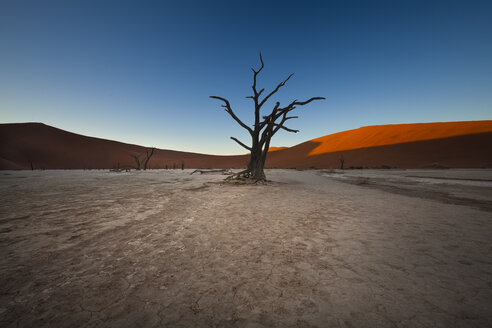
(311,249)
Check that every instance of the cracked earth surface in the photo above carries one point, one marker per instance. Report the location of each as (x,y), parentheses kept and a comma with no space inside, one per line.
(170,249)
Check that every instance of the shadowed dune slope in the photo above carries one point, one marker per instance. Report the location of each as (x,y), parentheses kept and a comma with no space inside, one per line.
(276,148)
(47,147)
(453,144)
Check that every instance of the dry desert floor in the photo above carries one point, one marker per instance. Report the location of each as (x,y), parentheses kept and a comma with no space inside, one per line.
(353,248)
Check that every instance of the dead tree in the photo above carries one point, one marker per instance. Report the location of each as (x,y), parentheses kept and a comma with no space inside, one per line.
(137,161)
(148,155)
(264,127)
(342,160)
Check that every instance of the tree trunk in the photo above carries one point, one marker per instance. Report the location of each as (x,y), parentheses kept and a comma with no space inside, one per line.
(256,166)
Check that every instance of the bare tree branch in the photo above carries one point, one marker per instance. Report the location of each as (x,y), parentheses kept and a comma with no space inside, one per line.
(302,103)
(255,74)
(256,94)
(276,114)
(293,105)
(281,84)
(239,142)
(285,128)
(267,118)
(228,109)
(281,125)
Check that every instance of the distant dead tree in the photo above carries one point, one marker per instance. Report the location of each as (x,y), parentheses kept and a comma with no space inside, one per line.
(137,161)
(182,165)
(264,128)
(148,155)
(30,156)
(342,160)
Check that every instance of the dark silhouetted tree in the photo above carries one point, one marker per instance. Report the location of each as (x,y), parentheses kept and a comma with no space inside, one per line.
(182,165)
(264,127)
(342,160)
(148,155)
(137,160)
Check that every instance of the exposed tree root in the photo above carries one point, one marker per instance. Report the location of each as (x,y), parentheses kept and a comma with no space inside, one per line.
(246,181)
(244,177)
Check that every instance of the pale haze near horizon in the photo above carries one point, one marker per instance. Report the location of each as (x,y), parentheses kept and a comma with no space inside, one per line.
(142,73)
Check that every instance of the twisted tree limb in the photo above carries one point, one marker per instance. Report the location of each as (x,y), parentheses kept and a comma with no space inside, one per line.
(228,109)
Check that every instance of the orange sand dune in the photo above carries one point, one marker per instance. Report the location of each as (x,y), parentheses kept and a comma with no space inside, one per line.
(455,144)
(382,135)
(465,151)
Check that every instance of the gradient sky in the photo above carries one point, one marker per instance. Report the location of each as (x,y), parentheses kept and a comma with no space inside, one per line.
(141,71)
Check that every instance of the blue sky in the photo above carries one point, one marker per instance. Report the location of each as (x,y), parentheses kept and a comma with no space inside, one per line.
(141,71)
